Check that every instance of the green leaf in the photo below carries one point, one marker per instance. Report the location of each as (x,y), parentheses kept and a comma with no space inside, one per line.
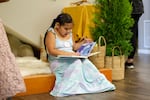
(112,20)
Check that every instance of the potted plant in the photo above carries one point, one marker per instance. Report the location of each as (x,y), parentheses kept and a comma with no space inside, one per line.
(112,19)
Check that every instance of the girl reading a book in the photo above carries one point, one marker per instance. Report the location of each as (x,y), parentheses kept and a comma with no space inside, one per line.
(73,75)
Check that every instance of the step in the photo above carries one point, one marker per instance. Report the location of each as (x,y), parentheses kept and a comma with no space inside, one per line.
(37,84)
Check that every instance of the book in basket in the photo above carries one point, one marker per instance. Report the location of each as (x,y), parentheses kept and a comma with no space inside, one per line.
(84,50)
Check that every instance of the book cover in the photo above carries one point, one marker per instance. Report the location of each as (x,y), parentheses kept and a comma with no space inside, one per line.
(84,50)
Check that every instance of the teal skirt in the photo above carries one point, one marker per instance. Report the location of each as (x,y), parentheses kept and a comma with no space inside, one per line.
(78,76)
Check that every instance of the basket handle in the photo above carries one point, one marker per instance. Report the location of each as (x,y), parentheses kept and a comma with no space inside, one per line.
(113,50)
(99,41)
(113,53)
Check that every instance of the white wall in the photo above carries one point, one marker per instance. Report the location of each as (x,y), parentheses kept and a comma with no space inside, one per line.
(145,16)
(29,18)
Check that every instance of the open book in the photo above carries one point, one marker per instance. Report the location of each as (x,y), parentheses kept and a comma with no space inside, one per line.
(84,50)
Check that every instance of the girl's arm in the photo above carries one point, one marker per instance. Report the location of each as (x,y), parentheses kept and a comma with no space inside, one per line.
(50,45)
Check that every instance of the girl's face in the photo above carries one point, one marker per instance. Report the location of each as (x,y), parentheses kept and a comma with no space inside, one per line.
(65,29)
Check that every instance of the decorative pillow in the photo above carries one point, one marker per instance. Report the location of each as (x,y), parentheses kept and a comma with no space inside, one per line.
(18,48)
(43,54)
(14,44)
(25,50)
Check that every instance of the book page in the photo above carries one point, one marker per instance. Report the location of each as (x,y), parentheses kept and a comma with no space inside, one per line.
(91,54)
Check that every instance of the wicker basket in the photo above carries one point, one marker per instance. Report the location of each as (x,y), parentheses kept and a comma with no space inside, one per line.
(98,60)
(116,63)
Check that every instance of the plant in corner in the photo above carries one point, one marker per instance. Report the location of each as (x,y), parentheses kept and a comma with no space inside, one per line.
(112,19)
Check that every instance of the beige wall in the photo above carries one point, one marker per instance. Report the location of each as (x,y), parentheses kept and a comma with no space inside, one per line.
(29,18)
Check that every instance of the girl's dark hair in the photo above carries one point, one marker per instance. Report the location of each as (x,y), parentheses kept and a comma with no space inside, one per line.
(61,19)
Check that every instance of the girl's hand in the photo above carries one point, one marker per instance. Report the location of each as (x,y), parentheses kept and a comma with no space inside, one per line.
(87,40)
(74,54)
(81,41)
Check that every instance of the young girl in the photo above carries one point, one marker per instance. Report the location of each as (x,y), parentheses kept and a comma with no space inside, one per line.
(73,75)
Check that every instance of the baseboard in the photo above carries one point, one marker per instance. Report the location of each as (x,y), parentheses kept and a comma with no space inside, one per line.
(143,51)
